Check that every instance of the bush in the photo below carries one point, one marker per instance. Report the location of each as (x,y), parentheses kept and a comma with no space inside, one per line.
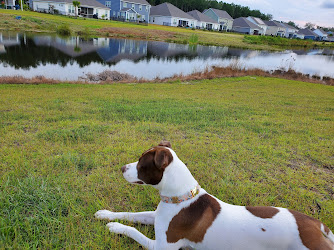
(64,30)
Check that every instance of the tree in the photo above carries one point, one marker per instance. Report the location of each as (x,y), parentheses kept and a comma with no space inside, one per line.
(76,4)
(309,25)
(293,24)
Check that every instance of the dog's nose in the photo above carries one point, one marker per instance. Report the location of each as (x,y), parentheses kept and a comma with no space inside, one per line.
(123,168)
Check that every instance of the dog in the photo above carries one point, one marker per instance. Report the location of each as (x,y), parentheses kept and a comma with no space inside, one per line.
(188,217)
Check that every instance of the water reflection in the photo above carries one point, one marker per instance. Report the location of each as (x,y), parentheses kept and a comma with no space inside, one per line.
(72,57)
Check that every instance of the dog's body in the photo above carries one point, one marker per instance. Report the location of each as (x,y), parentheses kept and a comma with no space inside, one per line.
(188,216)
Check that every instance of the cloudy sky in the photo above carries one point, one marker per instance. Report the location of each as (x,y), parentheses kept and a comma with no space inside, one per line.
(320,12)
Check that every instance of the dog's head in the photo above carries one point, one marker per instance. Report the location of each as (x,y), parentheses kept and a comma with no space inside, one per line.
(150,167)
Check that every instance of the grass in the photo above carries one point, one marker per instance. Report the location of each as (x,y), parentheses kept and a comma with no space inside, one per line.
(40,22)
(247,140)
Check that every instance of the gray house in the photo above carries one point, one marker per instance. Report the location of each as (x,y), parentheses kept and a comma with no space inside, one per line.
(220,16)
(308,34)
(275,28)
(243,25)
(131,10)
(169,15)
(259,22)
(203,21)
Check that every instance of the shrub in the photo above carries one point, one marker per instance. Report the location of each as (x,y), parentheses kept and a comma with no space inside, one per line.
(64,30)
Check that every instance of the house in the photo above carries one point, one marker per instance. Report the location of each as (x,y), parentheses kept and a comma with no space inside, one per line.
(220,16)
(259,22)
(169,15)
(322,35)
(87,8)
(9,4)
(203,21)
(243,25)
(290,31)
(298,35)
(130,10)
(275,28)
(308,34)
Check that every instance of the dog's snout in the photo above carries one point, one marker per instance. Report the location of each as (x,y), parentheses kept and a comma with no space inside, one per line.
(123,168)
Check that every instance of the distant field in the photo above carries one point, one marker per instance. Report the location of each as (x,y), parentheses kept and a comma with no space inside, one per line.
(40,22)
(248,141)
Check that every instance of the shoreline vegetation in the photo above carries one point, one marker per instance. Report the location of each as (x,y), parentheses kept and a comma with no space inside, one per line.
(110,77)
(48,23)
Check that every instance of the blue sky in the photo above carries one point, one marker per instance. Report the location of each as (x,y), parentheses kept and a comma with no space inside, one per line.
(320,12)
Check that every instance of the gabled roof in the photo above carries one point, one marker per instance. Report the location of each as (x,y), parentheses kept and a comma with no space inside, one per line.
(307,32)
(138,1)
(274,23)
(199,16)
(289,26)
(168,9)
(220,13)
(91,3)
(322,32)
(245,23)
(257,20)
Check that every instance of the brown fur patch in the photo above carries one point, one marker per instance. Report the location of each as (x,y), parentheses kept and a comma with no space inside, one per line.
(263,212)
(192,222)
(165,144)
(152,164)
(310,232)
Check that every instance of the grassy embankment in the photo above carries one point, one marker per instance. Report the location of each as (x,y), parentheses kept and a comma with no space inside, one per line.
(248,141)
(39,22)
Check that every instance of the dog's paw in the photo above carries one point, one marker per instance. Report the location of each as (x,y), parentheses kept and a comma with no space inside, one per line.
(117,228)
(104,215)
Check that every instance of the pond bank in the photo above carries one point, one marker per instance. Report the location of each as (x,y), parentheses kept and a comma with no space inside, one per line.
(39,22)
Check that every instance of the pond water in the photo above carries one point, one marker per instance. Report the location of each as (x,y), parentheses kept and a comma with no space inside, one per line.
(73,57)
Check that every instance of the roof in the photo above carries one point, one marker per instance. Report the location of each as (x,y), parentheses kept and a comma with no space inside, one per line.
(307,32)
(168,9)
(92,3)
(258,20)
(274,23)
(200,16)
(244,22)
(221,13)
(322,32)
(138,1)
(288,26)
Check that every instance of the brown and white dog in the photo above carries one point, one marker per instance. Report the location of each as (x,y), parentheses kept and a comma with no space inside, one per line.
(188,216)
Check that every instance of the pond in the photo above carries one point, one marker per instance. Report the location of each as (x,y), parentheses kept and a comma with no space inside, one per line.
(69,58)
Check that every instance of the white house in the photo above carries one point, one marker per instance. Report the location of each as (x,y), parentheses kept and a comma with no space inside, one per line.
(87,8)
(169,15)
(323,36)
(275,28)
(243,25)
(221,17)
(259,22)
(290,31)
(9,4)
(203,21)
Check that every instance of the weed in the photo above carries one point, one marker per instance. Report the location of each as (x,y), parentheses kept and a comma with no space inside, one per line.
(64,30)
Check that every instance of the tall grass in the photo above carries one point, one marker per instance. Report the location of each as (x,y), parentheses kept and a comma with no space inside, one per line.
(247,140)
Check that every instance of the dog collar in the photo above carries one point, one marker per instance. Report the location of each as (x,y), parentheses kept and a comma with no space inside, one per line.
(179,199)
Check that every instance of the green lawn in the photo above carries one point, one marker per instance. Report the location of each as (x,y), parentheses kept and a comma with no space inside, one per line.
(40,22)
(248,141)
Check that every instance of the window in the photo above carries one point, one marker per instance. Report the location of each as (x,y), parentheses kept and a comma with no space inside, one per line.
(133,6)
(146,8)
(71,9)
(125,5)
(114,13)
(140,7)
(108,3)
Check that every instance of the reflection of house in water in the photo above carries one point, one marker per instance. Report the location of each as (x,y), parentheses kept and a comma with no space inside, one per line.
(124,49)
(170,50)
(7,40)
(72,46)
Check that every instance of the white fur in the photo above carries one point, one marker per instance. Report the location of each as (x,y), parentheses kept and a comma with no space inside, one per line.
(234,227)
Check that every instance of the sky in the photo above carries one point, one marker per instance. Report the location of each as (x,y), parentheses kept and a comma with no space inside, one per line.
(319,12)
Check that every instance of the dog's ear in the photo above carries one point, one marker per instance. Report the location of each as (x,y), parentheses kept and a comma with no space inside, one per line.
(165,144)
(162,158)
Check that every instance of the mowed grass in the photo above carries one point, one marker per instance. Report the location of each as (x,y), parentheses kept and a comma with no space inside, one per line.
(248,141)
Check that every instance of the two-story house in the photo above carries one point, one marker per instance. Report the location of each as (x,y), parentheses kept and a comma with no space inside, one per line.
(220,16)
(131,10)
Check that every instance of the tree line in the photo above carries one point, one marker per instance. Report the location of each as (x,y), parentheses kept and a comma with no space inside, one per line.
(234,10)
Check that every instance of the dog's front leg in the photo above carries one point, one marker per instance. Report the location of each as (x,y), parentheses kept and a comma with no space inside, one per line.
(133,233)
(141,217)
